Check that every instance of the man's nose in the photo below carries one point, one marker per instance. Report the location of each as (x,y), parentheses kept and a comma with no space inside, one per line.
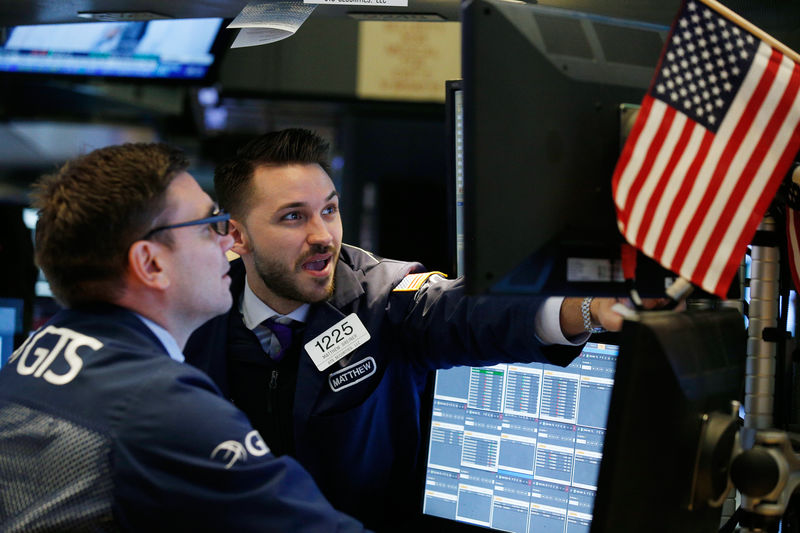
(319,233)
(226,241)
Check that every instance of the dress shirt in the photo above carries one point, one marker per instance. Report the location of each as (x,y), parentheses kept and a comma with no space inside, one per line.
(254,311)
(165,337)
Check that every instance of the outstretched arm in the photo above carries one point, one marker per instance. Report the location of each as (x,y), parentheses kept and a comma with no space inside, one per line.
(602,315)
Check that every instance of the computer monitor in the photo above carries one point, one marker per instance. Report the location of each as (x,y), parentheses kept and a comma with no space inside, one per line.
(547,96)
(630,437)
(513,447)
(517,447)
(157,49)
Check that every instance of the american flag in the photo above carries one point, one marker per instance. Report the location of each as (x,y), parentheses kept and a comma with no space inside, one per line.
(714,137)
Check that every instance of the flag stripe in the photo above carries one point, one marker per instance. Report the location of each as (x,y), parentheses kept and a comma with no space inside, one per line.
(649,161)
(624,172)
(697,180)
(651,192)
(683,129)
(685,174)
(669,236)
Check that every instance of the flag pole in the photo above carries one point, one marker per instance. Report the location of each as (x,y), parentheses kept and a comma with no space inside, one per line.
(755,30)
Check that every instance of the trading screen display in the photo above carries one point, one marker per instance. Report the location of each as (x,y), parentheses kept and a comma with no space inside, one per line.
(146,49)
(517,447)
(10,323)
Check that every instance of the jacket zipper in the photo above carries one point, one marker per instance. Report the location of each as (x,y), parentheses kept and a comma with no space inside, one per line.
(272,399)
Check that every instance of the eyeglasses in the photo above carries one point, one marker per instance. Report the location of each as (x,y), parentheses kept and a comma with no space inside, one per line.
(218,222)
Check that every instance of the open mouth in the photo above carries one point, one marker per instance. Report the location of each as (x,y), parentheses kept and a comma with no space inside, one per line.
(317,264)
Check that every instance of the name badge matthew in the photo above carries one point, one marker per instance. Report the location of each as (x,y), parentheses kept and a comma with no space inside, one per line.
(337,341)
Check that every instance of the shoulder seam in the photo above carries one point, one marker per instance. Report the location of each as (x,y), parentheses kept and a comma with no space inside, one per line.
(371,256)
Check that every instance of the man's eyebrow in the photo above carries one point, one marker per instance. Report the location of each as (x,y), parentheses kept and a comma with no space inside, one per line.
(209,211)
(332,195)
(291,205)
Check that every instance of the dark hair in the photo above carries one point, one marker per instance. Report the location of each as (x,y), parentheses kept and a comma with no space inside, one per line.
(93,209)
(290,146)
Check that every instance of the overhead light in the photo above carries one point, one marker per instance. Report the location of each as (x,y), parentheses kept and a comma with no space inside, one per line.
(121,16)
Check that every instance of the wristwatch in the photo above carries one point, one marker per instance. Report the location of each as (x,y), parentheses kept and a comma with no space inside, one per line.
(586,313)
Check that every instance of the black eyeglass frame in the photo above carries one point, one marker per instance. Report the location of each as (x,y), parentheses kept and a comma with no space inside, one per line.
(218,221)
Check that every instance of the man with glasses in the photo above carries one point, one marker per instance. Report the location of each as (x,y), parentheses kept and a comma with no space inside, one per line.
(102,426)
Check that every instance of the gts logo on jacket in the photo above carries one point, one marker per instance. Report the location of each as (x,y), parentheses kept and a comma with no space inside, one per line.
(232,451)
(39,352)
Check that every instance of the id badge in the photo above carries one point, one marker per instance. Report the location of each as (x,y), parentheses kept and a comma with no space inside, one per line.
(337,341)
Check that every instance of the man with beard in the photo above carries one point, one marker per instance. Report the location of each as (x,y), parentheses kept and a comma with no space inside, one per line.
(340,388)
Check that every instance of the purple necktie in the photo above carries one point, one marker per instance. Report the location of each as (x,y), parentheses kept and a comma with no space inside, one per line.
(281,339)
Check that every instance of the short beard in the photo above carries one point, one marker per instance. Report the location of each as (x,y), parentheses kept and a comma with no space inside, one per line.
(280,282)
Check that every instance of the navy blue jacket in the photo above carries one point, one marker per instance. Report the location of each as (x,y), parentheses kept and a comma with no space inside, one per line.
(101,430)
(362,442)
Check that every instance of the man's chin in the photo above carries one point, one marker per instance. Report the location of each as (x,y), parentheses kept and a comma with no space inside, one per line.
(228,303)
(320,293)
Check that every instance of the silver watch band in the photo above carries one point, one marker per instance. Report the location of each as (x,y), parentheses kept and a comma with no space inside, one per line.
(586,313)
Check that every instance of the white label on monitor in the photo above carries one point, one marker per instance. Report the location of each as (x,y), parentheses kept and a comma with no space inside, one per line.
(583,269)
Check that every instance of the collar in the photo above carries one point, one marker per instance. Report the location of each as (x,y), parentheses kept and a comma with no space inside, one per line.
(254,311)
(347,279)
(165,337)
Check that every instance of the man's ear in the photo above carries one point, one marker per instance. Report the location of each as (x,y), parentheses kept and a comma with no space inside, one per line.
(241,240)
(146,264)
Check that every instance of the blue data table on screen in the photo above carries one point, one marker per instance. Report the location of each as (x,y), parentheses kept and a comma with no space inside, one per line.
(517,447)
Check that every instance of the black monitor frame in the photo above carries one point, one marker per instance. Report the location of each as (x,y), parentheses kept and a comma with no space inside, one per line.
(454,160)
(542,119)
